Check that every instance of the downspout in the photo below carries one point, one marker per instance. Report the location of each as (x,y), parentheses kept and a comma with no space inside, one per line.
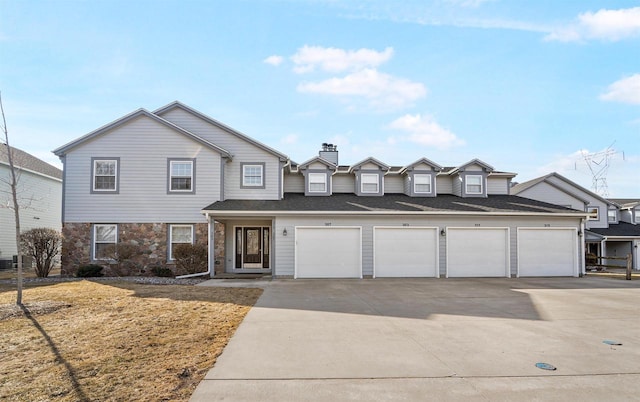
(209,254)
(583,242)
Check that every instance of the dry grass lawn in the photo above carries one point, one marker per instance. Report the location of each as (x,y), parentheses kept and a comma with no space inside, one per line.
(114,341)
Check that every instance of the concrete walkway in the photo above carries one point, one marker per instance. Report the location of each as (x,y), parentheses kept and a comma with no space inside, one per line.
(433,339)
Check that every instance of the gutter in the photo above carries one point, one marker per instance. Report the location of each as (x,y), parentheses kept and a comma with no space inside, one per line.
(387,212)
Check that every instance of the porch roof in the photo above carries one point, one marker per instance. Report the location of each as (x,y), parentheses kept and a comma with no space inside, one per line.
(620,229)
(392,203)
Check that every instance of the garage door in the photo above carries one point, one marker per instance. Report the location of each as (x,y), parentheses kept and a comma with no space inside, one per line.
(405,252)
(477,252)
(547,252)
(328,252)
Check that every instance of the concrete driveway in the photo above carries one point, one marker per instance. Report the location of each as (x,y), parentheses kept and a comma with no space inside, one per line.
(433,339)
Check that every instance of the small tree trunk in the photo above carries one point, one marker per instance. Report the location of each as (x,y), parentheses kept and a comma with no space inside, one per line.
(16,208)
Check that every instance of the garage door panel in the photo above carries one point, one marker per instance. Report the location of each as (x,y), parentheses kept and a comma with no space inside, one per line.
(405,252)
(477,252)
(547,252)
(328,252)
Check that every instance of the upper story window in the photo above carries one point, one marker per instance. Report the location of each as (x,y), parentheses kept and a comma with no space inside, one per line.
(422,183)
(104,236)
(637,218)
(252,175)
(181,173)
(473,184)
(612,215)
(179,234)
(369,183)
(594,213)
(317,182)
(105,175)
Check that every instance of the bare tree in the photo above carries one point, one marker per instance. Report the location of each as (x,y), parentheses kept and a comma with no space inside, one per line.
(13,183)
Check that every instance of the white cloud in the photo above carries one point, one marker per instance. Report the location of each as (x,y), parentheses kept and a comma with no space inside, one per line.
(611,25)
(380,89)
(626,90)
(289,139)
(335,60)
(274,60)
(469,3)
(424,130)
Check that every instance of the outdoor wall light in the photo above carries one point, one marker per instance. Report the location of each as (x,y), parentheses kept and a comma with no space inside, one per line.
(284,232)
(443,232)
(579,233)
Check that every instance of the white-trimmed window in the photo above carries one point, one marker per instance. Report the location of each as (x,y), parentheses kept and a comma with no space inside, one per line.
(104,235)
(473,184)
(612,215)
(422,183)
(179,234)
(105,175)
(180,175)
(369,183)
(253,175)
(317,182)
(637,215)
(594,213)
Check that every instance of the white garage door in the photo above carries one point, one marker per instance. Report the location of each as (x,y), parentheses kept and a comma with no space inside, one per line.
(547,252)
(477,252)
(328,252)
(405,252)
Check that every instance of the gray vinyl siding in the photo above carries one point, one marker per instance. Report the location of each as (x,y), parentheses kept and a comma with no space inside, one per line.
(285,247)
(456,185)
(593,203)
(344,183)
(393,184)
(497,186)
(444,184)
(293,183)
(40,202)
(143,147)
(241,150)
(547,193)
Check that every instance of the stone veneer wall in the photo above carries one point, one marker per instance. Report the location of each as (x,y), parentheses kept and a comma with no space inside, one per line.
(151,238)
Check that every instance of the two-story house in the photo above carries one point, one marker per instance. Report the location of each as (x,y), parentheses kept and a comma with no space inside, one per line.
(39,191)
(175,175)
(613,225)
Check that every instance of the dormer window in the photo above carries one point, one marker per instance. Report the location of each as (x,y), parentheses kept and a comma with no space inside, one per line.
(369,183)
(317,182)
(612,216)
(473,184)
(422,183)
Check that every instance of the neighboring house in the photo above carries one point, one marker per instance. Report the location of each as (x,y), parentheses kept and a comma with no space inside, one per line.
(175,175)
(613,226)
(39,197)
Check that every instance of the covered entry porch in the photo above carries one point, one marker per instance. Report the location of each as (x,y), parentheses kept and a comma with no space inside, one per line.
(247,244)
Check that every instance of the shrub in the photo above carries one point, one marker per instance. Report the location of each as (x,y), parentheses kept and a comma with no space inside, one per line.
(122,254)
(162,272)
(89,271)
(43,245)
(191,258)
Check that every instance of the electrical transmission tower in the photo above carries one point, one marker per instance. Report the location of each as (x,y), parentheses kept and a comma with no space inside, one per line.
(598,163)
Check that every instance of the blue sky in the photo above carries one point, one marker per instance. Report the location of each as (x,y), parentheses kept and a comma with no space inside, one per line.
(527,87)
